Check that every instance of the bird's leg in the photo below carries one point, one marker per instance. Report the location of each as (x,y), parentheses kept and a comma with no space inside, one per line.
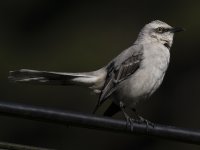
(140,119)
(129,120)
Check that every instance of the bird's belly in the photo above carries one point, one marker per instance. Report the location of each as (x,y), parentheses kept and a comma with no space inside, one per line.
(139,86)
(146,79)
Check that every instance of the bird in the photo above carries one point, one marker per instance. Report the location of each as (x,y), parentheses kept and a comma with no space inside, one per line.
(131,77)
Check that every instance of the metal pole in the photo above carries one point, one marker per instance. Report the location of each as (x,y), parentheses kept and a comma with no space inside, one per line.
(95,122)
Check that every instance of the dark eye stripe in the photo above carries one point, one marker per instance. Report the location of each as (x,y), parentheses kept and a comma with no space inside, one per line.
(166,29)
(161,30)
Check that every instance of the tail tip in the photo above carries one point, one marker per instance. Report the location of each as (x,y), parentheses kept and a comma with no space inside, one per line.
(11,77)
(16,75)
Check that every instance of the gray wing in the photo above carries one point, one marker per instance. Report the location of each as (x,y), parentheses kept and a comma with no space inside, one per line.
(118,73)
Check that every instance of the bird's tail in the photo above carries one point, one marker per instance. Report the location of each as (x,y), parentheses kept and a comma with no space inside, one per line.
(89,79)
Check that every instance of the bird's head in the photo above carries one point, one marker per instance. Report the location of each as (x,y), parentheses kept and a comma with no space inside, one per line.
(158,31)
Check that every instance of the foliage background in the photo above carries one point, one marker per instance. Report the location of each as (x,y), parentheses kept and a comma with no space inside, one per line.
(83,36)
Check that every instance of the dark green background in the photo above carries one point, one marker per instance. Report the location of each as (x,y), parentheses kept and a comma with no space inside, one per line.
(83,36)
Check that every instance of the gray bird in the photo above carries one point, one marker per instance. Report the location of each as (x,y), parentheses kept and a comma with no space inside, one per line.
(134,75)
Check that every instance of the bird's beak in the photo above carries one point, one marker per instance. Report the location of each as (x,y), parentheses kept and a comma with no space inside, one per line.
(177,29)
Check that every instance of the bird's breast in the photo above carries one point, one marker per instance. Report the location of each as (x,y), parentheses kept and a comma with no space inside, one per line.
(147,78)
(152,71)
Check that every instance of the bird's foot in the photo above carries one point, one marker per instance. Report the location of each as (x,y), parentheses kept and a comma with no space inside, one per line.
(140,120)
(130,123)
(148,123)
(143,120)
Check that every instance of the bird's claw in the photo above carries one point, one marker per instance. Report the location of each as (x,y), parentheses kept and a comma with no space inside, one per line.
(140,120)
(131,121)
(147,122)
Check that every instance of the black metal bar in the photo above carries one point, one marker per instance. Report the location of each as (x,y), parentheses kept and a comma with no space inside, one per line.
(11,146)
(103,123)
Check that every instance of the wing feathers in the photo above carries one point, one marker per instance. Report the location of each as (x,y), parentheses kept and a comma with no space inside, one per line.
(116,75)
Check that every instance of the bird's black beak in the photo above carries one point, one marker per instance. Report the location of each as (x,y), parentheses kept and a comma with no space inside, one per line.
(177,29)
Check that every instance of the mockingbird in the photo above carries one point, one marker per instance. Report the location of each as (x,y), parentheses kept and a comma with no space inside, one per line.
(131,77)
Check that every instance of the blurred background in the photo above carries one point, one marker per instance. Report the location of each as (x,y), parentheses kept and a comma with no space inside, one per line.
(83,36)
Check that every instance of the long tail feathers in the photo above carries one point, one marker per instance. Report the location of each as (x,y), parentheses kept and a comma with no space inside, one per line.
(52,78)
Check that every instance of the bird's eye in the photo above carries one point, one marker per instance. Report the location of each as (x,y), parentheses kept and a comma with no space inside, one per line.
(160,30)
